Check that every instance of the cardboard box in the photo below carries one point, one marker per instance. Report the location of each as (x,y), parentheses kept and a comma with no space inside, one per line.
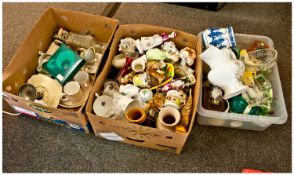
(132,133)
(24,63)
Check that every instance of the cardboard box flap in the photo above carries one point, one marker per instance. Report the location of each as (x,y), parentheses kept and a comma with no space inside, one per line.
(24,62)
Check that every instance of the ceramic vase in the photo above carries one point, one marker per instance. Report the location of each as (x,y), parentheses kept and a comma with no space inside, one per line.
(168,118)
(136,115)
(219,37)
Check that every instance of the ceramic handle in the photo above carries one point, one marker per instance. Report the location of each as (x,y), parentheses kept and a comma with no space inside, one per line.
(64,97)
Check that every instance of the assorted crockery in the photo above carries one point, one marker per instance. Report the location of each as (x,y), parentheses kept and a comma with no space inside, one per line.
(240,74)
(152,88)
(66,71)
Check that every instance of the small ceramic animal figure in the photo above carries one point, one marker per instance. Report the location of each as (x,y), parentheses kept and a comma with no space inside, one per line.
(248,78)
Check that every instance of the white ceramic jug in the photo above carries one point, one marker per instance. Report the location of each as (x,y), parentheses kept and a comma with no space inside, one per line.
(226,70)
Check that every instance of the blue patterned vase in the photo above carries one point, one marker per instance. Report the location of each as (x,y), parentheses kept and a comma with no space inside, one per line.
(219,37)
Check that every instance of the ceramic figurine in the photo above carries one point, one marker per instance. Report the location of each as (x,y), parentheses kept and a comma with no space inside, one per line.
(146,43)
(157,101)
(212,100)
(156,77)
(145,95)
(110,87)
(171,51)
(188,56)
(216,95)
(225,70)
(177,84)
(169,47)
(176,99)
(129,90)
(43,58)
(128,78)
(155,54)
(166,87)
(248,78)
(174,57)
(142,80)
(165,36)
(125,69)
(219,37)
(258,45)
(127,45)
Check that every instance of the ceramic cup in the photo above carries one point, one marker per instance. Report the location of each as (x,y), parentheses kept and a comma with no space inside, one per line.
(72,92)
(83,78)
(87,54)
(175,98)
(168,118)
(219,37)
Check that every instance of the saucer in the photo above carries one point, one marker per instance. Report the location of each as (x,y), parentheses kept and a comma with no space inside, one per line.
(50,88)
(80,102)
(103,105)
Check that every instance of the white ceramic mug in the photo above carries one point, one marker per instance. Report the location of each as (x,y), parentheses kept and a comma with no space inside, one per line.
(83,78)
(72,92)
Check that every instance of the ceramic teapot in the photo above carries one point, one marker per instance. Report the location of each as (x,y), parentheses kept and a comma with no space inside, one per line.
(226,70)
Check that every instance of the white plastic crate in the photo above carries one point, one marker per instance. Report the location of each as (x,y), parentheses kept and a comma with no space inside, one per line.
(250,122)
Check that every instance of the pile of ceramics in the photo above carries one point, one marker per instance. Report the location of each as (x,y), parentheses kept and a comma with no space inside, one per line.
(238,79)
(152,85)
(66,71)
